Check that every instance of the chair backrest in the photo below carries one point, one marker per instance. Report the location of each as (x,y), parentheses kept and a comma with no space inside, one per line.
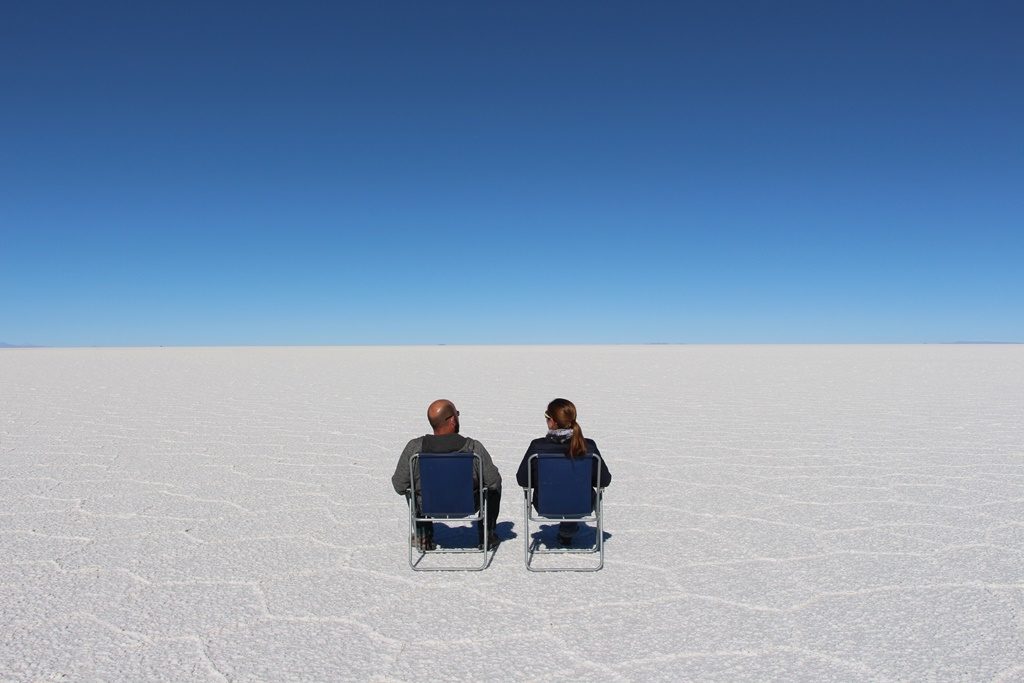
(446,483)
(564,484)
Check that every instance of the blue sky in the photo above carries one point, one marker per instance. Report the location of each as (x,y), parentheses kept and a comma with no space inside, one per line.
(466,172)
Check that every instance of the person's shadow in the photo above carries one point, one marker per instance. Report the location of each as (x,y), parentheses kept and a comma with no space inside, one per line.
(547,536)
(466,536)
(503,530)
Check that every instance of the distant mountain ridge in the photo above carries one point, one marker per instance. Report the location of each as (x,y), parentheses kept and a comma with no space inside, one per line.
(5,345)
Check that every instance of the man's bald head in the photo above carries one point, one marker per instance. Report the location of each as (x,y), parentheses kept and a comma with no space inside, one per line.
(443,417)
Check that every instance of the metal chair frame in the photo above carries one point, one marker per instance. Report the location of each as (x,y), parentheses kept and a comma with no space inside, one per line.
(479,516)
(596,517)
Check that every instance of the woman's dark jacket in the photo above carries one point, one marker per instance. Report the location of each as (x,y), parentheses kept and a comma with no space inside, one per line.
(548,445)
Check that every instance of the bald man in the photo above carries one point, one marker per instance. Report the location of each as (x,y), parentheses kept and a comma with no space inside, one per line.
(444,420)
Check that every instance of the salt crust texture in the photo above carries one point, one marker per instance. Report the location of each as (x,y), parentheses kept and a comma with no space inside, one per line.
(788,513)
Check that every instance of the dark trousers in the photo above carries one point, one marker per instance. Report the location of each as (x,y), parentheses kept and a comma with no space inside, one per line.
(493,506)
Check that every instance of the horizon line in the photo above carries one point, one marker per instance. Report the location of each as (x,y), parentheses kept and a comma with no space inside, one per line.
(4,345)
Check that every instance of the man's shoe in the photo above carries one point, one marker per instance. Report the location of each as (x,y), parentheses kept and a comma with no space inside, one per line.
(564,540)
(492,542)
(423,542)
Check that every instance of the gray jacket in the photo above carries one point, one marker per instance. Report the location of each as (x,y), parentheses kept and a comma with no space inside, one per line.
(449,443)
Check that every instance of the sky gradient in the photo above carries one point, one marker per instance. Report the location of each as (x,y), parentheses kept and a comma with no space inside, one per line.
(459,172)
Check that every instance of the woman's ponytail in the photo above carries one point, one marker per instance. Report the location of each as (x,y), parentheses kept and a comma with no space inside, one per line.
(577,446)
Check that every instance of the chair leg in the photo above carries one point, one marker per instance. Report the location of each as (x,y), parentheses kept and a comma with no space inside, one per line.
(530,549)
(486,554)
(526,527)
(411,535)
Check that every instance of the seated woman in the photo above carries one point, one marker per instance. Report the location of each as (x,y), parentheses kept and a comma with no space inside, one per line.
(564,436)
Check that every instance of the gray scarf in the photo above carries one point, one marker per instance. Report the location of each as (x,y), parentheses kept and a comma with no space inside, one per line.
(560,435)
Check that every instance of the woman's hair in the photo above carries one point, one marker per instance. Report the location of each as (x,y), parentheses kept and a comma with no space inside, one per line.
(563,412)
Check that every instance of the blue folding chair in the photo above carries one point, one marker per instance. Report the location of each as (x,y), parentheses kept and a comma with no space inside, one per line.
(567,490)
(443,484)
